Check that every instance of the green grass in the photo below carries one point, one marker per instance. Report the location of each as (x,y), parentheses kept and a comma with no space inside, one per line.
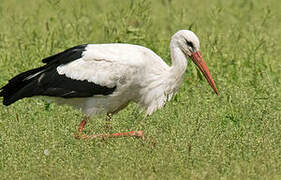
(198,135)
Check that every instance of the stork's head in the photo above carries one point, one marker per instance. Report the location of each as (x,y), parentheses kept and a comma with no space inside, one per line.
(188,42)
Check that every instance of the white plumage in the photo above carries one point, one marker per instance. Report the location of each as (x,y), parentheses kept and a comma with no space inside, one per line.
(109,76)
(137,72)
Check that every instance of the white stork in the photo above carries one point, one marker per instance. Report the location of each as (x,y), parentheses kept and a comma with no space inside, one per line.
(105,78)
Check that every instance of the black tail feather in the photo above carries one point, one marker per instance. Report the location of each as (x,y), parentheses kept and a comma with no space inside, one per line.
(13,91)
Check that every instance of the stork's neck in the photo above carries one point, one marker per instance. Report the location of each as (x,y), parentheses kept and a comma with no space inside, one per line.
(179,61)
(166,84)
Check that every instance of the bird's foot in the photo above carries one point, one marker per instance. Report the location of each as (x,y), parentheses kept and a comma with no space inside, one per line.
(137,134)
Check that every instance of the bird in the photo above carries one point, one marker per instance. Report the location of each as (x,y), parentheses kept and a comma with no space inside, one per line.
(105,78)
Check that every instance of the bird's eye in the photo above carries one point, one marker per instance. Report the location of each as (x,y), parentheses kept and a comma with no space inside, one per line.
(189,43)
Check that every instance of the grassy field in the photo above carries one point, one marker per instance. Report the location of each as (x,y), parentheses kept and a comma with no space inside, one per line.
(198,135)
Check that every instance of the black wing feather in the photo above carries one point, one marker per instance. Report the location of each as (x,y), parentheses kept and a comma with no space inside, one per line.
(66,56)
(54,84)
(46,81)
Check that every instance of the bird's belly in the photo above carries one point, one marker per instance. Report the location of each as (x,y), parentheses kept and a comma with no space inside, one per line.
(98,104)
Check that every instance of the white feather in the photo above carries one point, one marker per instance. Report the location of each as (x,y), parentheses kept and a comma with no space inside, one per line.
(138,73)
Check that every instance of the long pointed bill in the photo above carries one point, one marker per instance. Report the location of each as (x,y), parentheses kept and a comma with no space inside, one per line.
(199,61)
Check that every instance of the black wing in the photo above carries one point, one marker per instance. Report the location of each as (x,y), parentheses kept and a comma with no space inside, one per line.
(66,56)
(46,81)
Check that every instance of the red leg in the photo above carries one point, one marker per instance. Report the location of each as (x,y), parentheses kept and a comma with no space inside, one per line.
(81,127)
(114,135)
(82,124)
(107,125)
(138,134)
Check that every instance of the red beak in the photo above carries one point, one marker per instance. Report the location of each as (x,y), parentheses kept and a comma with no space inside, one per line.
(199,61)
